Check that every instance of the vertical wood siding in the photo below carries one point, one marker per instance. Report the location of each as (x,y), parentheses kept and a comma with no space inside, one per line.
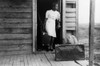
(16,26)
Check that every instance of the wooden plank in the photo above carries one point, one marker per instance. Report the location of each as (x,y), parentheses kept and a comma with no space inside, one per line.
(29,25)
(77,19)
(7,61)
(72,0)
(15,52)
(70,19)
(36,60)
(16,48)
(21,60)
(3,61)
(63,17)
(16,61)
(7,4)
(44,60)
(9,42)
(17,9)
(70,28)
(15,30)
(40,61)
(91,32)
(15,36)
(70,24)
(25,61)
(70,10)
(16,15)
(15,20)
(29,60)
(8,1)
(52,61)
(34,20)
(70,15)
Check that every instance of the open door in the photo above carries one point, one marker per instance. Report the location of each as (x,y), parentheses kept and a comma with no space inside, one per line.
(42,7)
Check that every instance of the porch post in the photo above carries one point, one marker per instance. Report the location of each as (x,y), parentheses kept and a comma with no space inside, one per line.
(91,32)
(34,20)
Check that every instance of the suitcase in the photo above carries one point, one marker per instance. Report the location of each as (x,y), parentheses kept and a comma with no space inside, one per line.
(46,39)
(69,52)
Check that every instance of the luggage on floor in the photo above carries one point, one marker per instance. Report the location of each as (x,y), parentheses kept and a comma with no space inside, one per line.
(64,52)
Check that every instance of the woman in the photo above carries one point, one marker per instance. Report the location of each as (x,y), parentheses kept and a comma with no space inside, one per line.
(51,17)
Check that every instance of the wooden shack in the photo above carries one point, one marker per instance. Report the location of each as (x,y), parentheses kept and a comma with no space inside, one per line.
(19,23)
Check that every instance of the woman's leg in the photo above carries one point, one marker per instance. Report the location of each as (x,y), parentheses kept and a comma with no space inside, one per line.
(51,43)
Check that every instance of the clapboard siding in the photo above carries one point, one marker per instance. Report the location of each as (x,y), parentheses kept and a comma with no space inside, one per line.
(10,1)
(70,15)
(15,9)
(70,20)
(27,25)
(16,15)
(5,4)
(15,26)
(70,10)
(70,25)
(6,53)
(72,0)
(15,30)
(14,20)
(11,42)
(70,28)
(16,47)
(15,36)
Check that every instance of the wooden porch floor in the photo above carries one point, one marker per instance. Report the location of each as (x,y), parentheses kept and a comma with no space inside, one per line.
(36,60)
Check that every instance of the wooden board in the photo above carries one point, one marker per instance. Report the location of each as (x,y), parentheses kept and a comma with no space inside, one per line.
(70,28)
(72,0)
(70,15)
(16,25)
(70,10)
(6,4)
(12,20)
(15,48)
(70,24)
(16,31)
(17,9)
(15,1)
(22,15)
(15,52)
(70,20)
(34,19)
(15,36)
(11,42)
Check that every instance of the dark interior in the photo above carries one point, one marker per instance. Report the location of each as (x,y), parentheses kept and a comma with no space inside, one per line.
(42,7)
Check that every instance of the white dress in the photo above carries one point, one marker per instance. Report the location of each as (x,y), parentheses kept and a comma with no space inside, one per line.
(50,23)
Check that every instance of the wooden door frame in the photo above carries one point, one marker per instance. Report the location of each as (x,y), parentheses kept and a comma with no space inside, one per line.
(34,20)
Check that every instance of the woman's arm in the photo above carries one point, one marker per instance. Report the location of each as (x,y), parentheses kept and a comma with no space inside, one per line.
(59,20)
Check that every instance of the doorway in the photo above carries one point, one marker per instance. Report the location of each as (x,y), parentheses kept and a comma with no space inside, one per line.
(42,7)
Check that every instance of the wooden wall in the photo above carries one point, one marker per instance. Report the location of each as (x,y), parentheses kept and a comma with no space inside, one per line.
(15,26)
